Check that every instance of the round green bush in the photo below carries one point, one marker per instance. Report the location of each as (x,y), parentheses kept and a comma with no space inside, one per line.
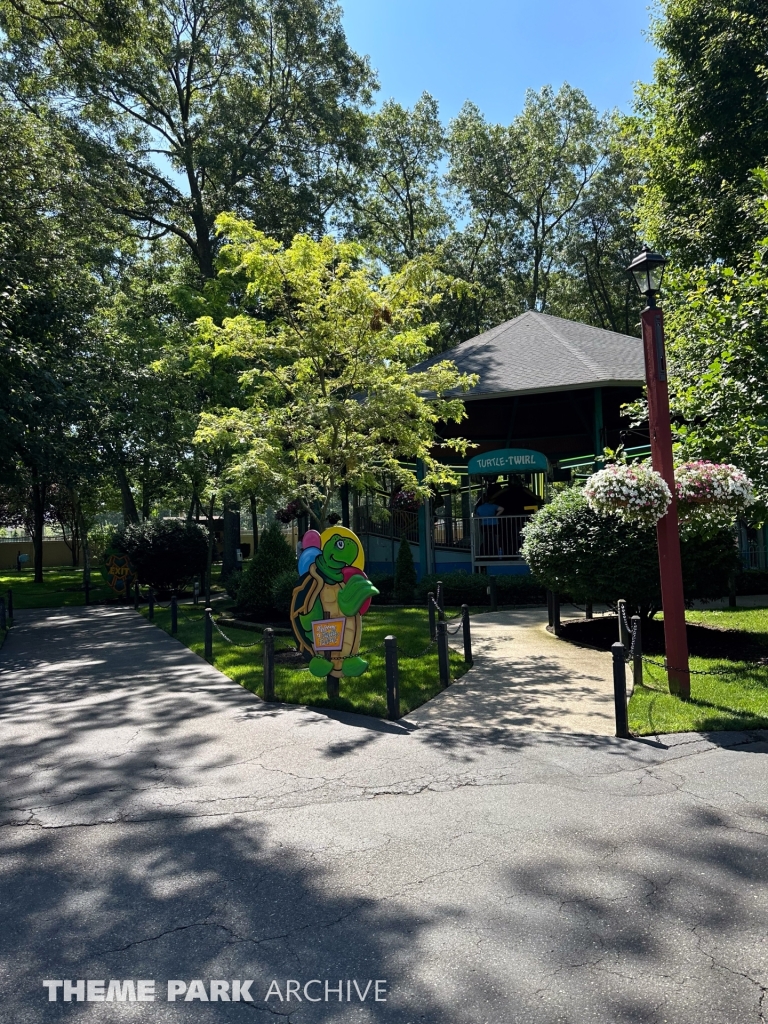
(166,553)
(274,556)
(282,590)
(573,550)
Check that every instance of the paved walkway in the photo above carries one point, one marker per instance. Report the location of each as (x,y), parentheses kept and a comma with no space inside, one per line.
(524,677)
(158,822)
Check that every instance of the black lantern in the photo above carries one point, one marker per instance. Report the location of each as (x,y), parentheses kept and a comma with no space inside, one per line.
(648,270)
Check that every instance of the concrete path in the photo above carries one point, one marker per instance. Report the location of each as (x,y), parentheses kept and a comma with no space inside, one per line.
(525,678)
(158,822)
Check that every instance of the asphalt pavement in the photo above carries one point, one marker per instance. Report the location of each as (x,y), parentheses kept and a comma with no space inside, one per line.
(159,823)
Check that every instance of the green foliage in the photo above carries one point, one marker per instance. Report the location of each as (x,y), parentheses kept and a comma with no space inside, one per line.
(166,553)
(274,557)
(405,574)
(330,396)
(472,589)
(283,587)
(572,550)
(702,127)
(385,584)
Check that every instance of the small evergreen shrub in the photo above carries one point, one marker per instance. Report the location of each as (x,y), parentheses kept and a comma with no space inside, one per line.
(166,553)
(385,584)
(273,557)
(282,590)
(405,574)
(752,581)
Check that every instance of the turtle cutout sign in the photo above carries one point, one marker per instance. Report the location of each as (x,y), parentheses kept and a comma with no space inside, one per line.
(329,602)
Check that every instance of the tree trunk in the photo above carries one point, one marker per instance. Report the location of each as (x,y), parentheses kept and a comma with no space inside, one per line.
(254,522)
(130,513)
(38,522)
(229,560)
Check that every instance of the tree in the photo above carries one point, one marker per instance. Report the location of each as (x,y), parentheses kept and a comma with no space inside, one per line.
(401,211)
(702,127)
(717,340)
(192,107)
(520,184)
(573,550)
(330,399)
(273,559)
(405,573)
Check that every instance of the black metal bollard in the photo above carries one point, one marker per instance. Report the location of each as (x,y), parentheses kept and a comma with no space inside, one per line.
(732,591)
(209,635)
(87,586)
(467,635)
(442,654)
(556,629)
(393,678)
(620,691)
(2,614)
(151,605)
(588,610)
(431,612)
(269,664)
(621,610)
(174,615)
(136,595)
(10,605)
(637,651)
(550,608)
(492,592)
(196,592)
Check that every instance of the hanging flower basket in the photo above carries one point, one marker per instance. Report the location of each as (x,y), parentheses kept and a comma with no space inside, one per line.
(405,501)
(291,511)
(635,493)
(713,484)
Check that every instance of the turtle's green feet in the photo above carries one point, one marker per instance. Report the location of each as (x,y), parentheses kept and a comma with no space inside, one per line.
(354,666)
(321,667)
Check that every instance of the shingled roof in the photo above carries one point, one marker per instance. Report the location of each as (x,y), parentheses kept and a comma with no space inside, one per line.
(536,353)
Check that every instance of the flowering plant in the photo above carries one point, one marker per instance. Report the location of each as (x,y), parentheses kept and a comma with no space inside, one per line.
(635,493)
(291,511)
(709,493)
(405,501)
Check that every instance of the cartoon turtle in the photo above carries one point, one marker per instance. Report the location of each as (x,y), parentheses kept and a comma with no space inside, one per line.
(335,589)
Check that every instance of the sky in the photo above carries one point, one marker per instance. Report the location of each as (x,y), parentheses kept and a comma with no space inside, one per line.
(491,51)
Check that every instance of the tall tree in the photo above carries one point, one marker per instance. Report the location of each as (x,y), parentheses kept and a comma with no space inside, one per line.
(702,127)
(330,397)
(521,183)
(188,108)
(401,212)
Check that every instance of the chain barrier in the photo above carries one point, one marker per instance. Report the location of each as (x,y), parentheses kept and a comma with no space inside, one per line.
(692,671)
(453,632)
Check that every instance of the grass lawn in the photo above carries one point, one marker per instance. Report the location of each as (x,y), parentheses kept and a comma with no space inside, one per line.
(366,694)
(62,586)
(732,694)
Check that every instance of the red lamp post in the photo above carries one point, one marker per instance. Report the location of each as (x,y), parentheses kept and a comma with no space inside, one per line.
(648,270)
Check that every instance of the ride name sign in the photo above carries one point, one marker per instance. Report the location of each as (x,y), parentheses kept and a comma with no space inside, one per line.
(508,460)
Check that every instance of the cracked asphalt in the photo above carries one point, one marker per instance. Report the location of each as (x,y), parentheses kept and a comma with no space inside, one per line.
(159,822)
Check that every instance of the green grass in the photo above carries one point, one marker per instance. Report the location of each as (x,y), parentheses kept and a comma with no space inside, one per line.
(61,587)
(732,694)
(366,694)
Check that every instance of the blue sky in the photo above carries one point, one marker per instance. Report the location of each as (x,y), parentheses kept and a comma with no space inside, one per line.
(491,51)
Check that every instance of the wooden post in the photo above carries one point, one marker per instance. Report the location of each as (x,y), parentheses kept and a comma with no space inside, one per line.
(467,635)
(269,664)
(208,635)
(393,678)
(620,691)
(442,653)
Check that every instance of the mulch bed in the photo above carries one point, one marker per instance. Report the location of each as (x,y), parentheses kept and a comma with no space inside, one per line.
(703,641)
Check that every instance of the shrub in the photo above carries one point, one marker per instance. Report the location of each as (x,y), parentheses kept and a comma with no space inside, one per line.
(282,589)
(273,557)
(385,584)
(752,581)
(572,549)
(472,588)
(166,553)
(405,574)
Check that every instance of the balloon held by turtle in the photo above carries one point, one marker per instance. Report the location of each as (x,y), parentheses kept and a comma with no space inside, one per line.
(328,604)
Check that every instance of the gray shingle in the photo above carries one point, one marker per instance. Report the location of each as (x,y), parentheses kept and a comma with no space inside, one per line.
(536,352)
